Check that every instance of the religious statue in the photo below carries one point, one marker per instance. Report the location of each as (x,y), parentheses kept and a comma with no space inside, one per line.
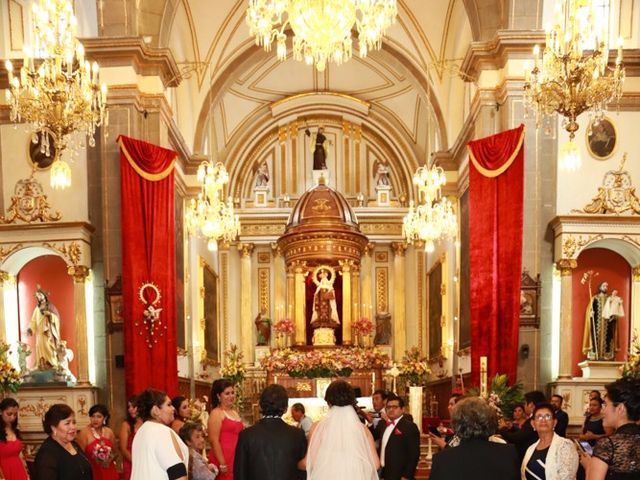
(601,324)
(325,310)
(45,326)
(23,353)
(383,329)
(383,176)
(262,175)
(65,355)
(317,146)
(263,328)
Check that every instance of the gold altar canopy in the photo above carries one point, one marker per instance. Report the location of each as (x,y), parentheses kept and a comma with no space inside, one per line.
(322,230)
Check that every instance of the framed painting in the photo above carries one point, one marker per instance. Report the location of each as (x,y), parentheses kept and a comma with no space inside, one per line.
(115,306)
(210,313)
(602,139)
(434,311)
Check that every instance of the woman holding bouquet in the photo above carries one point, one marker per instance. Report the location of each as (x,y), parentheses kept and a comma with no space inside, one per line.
(97,441)
(11,463)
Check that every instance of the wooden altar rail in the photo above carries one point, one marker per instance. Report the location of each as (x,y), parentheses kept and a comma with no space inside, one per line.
(301,387)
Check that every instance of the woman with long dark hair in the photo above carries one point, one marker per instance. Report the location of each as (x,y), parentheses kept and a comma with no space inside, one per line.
(128,430)
(183,412)
(224,427)
(11,462)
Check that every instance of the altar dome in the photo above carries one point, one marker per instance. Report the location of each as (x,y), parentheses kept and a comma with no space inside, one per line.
(322,226)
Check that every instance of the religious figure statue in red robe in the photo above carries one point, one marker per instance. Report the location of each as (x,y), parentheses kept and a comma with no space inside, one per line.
(325,311)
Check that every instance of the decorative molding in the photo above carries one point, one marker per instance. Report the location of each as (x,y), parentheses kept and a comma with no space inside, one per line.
(29,204)
(368,248)
(566,266)
(79,273)
(272,229)
(399,248)
(71,251)
(381,256)
(264,294)
(246,249)
(572,245)
(382,289)
(636,273)
(394,229)
(5,252)
(264,257)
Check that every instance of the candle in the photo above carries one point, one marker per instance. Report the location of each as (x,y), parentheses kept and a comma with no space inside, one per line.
(483,377)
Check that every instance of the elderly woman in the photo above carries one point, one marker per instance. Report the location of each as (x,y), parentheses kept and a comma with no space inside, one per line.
(618,457)
(60,457)
(474,421)
(199,468)
(157,452)
(552,457)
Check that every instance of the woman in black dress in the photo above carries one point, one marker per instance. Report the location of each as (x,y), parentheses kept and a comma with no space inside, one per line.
(593,428)
(60,457)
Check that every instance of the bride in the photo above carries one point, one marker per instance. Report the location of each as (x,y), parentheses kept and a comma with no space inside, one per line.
(340,446)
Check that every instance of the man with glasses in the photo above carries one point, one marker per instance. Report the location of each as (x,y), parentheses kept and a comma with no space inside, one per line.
(400,442)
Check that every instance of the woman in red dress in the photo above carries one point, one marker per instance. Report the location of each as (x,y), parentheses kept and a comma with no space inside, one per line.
(98,442)
(127,431)
(224,427)
(11,463)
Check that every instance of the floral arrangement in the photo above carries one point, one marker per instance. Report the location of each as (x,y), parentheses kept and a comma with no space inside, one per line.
(503,397)
(102,453)
(233,367)
(340,362)
(10,377)
(632,366)
(414,367)
(363,326)
(284,326)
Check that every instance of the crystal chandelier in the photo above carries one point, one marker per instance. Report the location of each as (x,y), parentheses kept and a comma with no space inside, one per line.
(572,75)
(433,218)
(321,29)
(209,212)
(57,90)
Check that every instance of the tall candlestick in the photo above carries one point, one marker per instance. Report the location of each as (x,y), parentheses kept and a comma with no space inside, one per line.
(483,377)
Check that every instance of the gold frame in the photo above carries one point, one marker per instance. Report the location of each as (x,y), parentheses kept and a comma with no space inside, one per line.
(615,138)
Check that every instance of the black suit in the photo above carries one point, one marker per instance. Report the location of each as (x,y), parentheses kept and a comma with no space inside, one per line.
(562,422)
(521,438)
(270,450)
(402,451)
(476,459)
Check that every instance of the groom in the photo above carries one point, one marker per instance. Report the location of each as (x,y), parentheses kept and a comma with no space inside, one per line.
(400,442)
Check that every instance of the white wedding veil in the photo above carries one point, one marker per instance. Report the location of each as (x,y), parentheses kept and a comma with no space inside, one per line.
(339,448)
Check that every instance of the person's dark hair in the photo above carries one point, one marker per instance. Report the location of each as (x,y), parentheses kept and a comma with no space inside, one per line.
(626,390)
(474,418)
(100,408)
(518,405)
(176,402)
(133,400)
(383,393)
(597,392)
(545,406)
(394,397)
(4,404)
(147,400)
(273,400)
(340,393)
(555,395)
(188,429)
(597,399)
(217,387)
(56,413)
(535,397)
(298,407)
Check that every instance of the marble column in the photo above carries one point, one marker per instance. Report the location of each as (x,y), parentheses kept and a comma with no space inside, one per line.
(80,274)
(347,298)
(366,297)
(5,279)
(246,320)
(566,267)
(355,293)
(399,314)
(299,269)
(635,303)
(279,288)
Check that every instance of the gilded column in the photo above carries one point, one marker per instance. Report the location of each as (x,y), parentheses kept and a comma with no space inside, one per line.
(566,267)
(367,275)
(291,293)
(246,321)
(299,303)
(279,273)
(355,293)
(347,298)
(635,301)
(5,279)
(223,258)
(399,321)
(80,274)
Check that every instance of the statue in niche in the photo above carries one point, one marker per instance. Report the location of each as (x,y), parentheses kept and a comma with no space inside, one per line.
(65,355)
(45,327)
(383,176)
(601,324)
(325,310)
(263,328)
(317,146)
(262,175)
(383,329)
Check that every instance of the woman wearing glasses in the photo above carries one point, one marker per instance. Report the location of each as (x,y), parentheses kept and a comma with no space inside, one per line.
(552,457)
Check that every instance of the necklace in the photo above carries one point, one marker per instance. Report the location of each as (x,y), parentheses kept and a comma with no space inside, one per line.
(95,433)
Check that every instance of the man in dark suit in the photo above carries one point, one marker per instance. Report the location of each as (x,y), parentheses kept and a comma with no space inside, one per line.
(526,435)
(271,449)
(399,442)
(562,418)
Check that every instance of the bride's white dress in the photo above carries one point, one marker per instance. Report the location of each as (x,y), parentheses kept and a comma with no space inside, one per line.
(339,448)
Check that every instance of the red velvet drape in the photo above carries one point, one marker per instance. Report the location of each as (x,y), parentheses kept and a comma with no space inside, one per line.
(496,171)
(148,256)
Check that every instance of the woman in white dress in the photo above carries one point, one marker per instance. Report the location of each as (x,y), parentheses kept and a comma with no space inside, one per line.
(157,452)
(340,446)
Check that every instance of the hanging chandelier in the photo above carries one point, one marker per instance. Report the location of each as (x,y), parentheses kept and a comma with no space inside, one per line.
(572,75)
(433,218)
(209,213)
(57,90)
(321,29)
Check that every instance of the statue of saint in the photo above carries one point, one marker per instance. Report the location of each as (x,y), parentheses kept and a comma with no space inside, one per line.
(383,176)
(318,148)
(263,328)
(45,326)
(601,324)
(262,175)
(325,310)
(383,329)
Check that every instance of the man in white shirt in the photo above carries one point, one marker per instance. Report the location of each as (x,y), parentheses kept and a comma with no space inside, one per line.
(400,444)
(298,414)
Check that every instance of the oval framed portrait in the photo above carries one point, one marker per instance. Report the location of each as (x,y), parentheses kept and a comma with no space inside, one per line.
(602,139)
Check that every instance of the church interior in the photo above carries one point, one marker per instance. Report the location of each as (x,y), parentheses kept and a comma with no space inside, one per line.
(185,198)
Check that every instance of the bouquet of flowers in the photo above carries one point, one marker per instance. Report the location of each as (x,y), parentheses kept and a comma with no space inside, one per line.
(502,396)
(233,367)
(102,454)
(363,326)
(414,367)
(10,377)
(284,326)
(632,366)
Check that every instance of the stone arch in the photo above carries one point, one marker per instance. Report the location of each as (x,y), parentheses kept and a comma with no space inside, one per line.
(14,262)
(627,249)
